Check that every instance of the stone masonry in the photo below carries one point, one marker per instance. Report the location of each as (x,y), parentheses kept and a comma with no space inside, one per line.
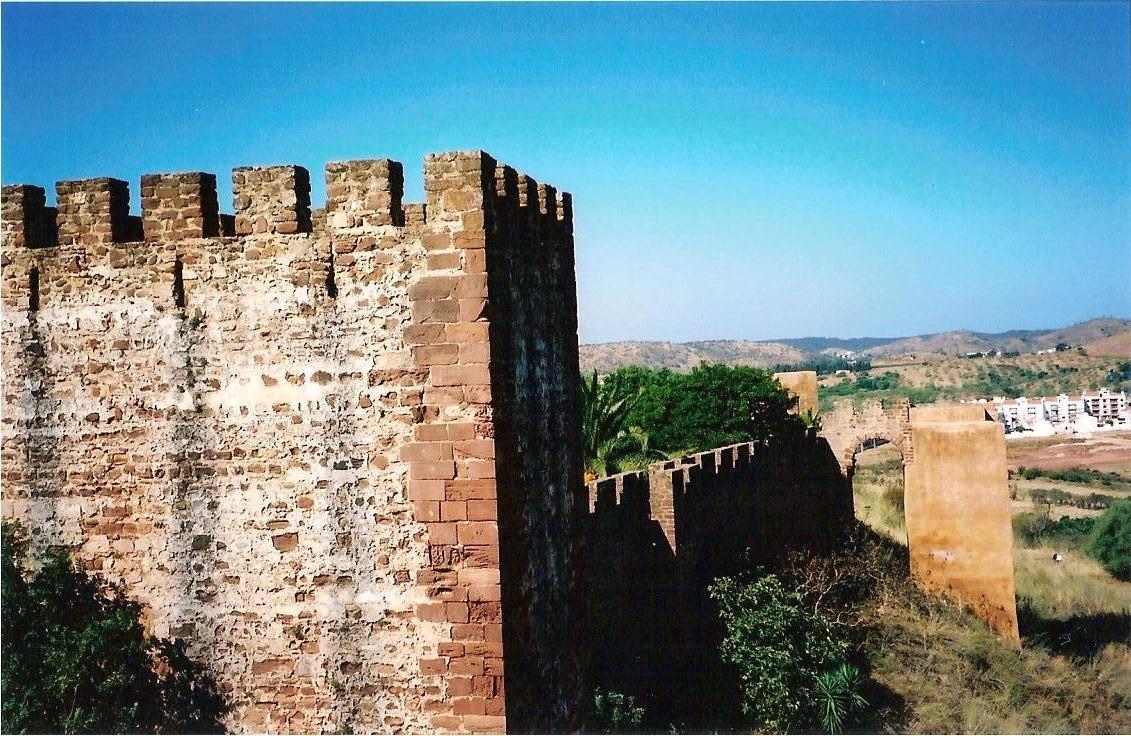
(323,447)
(956,493)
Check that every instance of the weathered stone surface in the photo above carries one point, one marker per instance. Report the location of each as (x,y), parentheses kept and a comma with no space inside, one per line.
(258,436)
(803,385)
(959,533)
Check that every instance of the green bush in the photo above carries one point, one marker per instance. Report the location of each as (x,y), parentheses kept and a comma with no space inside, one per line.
(1110,543)
(1035,530)
(614,712)
(791,660)
(711,406)
(77,660)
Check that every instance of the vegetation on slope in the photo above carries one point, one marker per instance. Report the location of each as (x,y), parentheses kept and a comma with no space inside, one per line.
(958,378)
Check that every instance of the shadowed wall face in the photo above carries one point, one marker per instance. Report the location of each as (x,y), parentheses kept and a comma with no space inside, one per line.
(283,442)
(959,531)
(656,540)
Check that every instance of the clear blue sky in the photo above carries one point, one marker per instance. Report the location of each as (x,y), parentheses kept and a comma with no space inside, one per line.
(739,171)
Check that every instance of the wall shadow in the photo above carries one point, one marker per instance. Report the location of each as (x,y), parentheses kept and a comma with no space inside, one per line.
(652,629)
(1082,635)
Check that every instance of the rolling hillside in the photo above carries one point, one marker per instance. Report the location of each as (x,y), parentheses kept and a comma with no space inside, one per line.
(1104,334)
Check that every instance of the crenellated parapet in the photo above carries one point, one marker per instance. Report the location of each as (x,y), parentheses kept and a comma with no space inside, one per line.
(180,206)
(333,448)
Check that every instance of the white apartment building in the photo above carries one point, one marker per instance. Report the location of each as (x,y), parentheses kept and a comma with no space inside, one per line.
(1104,405)
(1049,415)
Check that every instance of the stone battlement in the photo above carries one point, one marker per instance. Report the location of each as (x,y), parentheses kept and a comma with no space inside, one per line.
(333,449)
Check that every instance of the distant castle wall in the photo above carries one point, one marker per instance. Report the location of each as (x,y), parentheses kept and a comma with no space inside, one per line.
(322,446)
(656,539)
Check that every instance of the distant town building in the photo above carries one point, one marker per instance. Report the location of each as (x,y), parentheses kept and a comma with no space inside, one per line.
(1042,416)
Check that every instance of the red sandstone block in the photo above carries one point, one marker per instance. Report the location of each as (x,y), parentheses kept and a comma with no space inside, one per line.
(493,632)
(430,432)
(466,332)
(476,469)
(472,286)
(425,334)
(468,632)
(466,666)
(440,470)
(434,612)
(484,448)
(443,261)
(481,556)
(484,648)
(448,396)
(461,430)
(467,490)
(483,593)
(426,510)
(478,576)
(493,666)
(474,261)
(495,707)
(459,686)
(426,451)
(433,665)
(483,686)
(482,511)
(438,354)
(437,241)
(432,288)
(450,649)
(485,612)
(472,309)
(459,375)
(478,532)
(443,533)
(477,394)
(469,239)
(448,723)
(457,612)
(426,490)
(485,724)
(436,311)
(474,352)
(453,510)
(469,706)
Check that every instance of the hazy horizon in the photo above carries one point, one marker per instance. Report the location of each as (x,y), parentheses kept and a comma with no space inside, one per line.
(781,338)
(743,170)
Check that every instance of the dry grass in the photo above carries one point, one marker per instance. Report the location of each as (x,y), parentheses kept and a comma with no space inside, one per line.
(939,670)
(1078,585)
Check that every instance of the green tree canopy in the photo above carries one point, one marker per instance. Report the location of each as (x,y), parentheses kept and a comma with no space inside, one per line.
(77,660)
(1110,543)
(711,406)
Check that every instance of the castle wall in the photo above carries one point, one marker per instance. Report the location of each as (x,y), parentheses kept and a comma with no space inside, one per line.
(959,532)
(656,540)
(282,441)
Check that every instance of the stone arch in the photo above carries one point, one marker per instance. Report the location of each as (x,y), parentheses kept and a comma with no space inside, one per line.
(848,426)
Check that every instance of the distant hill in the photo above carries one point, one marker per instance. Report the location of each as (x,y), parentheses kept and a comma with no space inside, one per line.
(1106,333)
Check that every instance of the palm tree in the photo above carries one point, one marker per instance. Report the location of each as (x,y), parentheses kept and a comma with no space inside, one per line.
(610,445)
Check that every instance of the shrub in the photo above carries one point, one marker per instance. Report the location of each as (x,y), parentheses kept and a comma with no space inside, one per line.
(76,659)
(614,712)
(789,657)
(711,406)
(1110,543)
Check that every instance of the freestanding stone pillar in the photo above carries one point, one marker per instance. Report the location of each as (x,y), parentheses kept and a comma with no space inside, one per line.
(958,516)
